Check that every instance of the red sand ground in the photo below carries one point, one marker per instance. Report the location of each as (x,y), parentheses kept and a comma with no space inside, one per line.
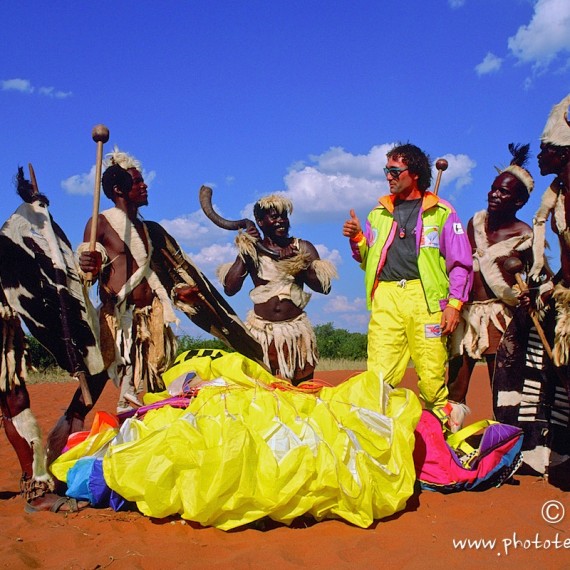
(421,536)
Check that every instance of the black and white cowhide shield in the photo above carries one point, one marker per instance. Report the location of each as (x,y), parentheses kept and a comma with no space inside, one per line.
(213,313)
(40,280)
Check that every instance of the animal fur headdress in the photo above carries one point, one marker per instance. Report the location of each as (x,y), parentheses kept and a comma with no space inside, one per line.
(517,165)
(123,159)
(556,133)
(277,201)
(557,129)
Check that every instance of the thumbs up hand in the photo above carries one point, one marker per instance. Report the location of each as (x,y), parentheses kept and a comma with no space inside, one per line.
(351,227)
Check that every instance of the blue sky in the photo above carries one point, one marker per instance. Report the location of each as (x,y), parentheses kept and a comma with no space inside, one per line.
(252,97)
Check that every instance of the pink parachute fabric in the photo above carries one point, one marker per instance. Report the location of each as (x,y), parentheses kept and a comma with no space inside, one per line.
(453,464)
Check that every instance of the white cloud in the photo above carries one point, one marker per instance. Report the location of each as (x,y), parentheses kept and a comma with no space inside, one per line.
(80,184)
(456,3)
(22,85)
(189,229)
(195,231)
(341,304)
(25,86)
(357,322)
(490,64)
(209,258)
(337,160)
(332,255)
(546,36)
(52,92)
(458,173)
(351,314)
(335,181)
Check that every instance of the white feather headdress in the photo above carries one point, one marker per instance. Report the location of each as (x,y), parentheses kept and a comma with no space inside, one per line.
(123,159)
(556,133)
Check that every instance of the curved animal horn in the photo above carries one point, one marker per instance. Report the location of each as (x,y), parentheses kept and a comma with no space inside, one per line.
(205,197)
(206,203)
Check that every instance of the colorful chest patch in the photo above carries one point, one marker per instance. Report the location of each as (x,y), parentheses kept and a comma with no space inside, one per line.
(430,237)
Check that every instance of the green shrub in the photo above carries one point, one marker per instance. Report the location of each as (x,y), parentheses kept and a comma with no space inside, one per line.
(187,342)
(40,357)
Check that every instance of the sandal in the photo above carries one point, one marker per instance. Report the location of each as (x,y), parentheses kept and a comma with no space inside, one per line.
(58,506)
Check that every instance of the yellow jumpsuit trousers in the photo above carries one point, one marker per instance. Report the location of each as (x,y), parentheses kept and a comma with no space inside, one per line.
(401,327)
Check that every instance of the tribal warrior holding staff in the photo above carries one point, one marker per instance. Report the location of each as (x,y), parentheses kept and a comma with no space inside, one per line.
(532,389)
(278,320)
(418,274)
(554,158)
(136,340)
(495,234)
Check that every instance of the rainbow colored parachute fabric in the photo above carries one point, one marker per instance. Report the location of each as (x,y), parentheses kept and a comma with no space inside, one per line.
(244,449)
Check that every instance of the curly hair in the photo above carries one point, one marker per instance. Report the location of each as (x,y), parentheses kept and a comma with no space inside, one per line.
(417,161)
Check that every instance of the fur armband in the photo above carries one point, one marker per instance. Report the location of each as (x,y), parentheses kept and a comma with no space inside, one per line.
(246,246)
(547,205)
(560,219)
(561,348)
(222,272)
(325,271)
(83,247)
(543,288)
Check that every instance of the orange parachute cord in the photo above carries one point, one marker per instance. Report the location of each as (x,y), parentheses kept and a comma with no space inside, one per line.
(308,387)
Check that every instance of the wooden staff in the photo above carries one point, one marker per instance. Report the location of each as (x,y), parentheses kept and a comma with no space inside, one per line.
(441,164)
(100,135)
(513,265)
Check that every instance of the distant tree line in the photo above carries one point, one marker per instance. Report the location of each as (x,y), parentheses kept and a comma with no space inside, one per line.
(336,344)
(339,344)
(332,343)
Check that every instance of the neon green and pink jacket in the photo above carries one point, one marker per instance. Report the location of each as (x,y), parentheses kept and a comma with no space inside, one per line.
(445,260)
